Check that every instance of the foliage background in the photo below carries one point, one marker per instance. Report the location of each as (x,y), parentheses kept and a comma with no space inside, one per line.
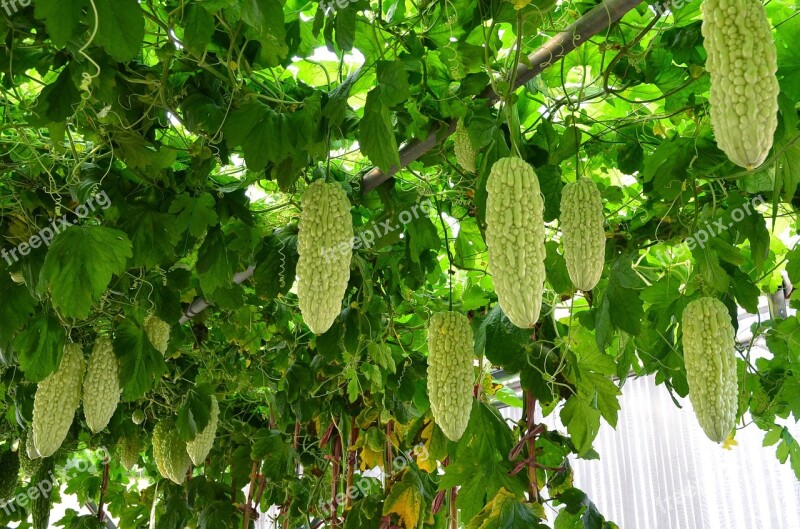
(204,121)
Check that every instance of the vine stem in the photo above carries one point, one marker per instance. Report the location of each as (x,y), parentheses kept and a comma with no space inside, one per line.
(101,513)
(337,458)
(352,457)
(247,507)
(599,19)
(530,405)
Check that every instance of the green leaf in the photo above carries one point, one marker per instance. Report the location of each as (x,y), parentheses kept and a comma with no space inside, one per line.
(120,28)
(709,269)
(382,355)
(754,227)
(625,305)
(470,248)
(507,345)
(745,291)
(480,466)
(16,308)
(198,28)
(141,364)
(276,453)
(376,134)
(58,100)
(267,20)
(556,266)
(195,214)
(551,185)
(79,267)
(218,514)
(392,82)
(277,263)
(793,265)
(215,265)
(265,135)
(582,421)
(40,347)
(194,415)
(153,236)
(60,17)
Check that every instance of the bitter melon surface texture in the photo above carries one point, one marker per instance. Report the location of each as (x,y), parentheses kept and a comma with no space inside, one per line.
(158,332)
(169,451)
(451,375)
(101,386)
(466,156)
(9,474)
(742,63)
(515,238)
(324,245)
(56,401)
(710,358)
(584,236)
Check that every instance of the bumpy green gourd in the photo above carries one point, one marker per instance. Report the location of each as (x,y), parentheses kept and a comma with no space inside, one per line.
(44,479)
(324,245)
(9,474)
(515,237)
(465,152)
(709,354)
(199,448)
(57,399)
(129,447)
(451,375)
(158,332)
(28,458)
(138,417)
(101,386)
(584,237)
(742,61)
(169,451)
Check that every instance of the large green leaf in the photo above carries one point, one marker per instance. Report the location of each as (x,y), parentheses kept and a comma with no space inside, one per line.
(141,365)
(120,28)
(40,346)
(79,267)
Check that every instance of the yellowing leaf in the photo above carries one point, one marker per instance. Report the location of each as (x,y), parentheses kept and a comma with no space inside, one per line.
(519,4)
(406,500)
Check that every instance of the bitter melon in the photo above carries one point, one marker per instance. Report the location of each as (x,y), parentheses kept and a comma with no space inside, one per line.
(9,474)
(515,238)
(169,451)
(709,355)
(584,237)
(101,386)
(325,248)
(742,63)
(462,145)
(451,373)
(158,332)
(56,401)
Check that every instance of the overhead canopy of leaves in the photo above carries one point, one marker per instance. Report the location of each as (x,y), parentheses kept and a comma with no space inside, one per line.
(152,151)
